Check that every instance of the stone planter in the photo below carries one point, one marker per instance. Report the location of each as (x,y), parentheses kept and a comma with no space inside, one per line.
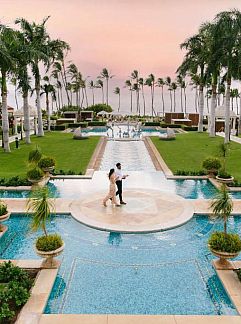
(49,256)
(223,180)
(3,218)
(34,181)
(48,169)
(224,256)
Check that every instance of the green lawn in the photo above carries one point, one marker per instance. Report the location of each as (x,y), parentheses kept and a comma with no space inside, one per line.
(189,150)
(69,154)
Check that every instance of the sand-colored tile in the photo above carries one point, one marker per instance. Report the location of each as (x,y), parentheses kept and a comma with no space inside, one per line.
(45,281)
(181,319)
(230,281)
(141,319)
(29,264)
(73,319)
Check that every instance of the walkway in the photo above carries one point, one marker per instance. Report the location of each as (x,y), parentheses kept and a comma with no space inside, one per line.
(12,138)
(232,138)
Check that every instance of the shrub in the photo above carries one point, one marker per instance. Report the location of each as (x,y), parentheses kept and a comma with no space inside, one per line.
(17,284)
(99,107)
(66,172)
(222,242)
(76,125)
(3,208)
(235,183)
(34,155)
(35,174)
(46,162)
(49,243)
(97,123)
(211,164)
(151,124)
(190,173)
(59,127)
(14,182)
(164,125)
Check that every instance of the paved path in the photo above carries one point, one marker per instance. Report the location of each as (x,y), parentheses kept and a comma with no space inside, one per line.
(232,138)
(12,138)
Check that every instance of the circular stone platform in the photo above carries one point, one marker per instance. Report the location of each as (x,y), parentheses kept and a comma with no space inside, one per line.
(146,211)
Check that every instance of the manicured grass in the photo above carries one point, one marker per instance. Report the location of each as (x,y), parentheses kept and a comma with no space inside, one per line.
(189,150)
(69,154)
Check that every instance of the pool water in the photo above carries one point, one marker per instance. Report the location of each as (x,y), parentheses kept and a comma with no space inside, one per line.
(160,273)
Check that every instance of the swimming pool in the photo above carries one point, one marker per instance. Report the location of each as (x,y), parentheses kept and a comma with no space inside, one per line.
(160,273)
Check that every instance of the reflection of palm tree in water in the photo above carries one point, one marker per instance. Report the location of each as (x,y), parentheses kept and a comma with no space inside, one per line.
(114,238)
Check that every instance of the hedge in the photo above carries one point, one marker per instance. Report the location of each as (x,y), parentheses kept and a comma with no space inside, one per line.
(59,127)
(97,123)
(76,125)
(163,125)
(152,124)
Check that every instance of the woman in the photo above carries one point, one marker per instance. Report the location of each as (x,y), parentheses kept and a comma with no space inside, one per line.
(111,195)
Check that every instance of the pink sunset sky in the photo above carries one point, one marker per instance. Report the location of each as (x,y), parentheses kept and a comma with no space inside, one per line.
(120,35)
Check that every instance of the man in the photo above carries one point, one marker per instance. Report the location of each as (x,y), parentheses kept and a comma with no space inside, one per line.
(120,177)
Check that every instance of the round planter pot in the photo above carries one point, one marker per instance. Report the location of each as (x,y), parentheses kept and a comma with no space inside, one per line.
(49,169)
(34,180)
(3,218)
(224,256)
(49,256)
(223,180)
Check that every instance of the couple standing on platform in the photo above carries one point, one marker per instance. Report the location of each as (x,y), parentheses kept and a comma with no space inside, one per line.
(115,177)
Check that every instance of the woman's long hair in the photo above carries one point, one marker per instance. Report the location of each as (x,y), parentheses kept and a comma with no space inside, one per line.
(111,172)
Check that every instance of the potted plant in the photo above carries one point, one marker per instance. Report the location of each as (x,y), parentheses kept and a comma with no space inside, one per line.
(223,176)
(222,244)
(4,215)
(212,165)
(35,175)
(47,164)
(47,246)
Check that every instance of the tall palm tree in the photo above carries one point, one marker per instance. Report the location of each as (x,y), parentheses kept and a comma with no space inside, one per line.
(47,89)
(99,84)
(160,83)
(168,82)
(150,82)
(14,83)
(117,91)
(128,84)
(136,87)
(141,83)
(92,87)
(180,84)
(174,88)
(105,74)
(7,65)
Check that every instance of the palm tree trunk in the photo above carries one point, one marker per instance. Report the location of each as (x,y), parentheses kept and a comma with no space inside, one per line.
(107,90)
(39,110)
(93,97)
(174,99)
(213,106)
(103,99)
(237,104)
(227,112)
(181,100)
(5,123)
(163,106)
(185,100)
(239,122)
(16,97)
(119,103)
(170,98)
(86,98)
(201,108)
(131,99)
(48,110)
(26,115)
(196,99)
(144,101)
(64,78)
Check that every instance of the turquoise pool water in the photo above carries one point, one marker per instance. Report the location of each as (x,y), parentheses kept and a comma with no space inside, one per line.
(160,273)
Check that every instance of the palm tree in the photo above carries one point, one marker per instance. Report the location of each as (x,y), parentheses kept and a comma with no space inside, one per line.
(105,74)
(128,84)
(136,87)
(92,87)
(180,84)
(47,89)
(168,82)
(14,83)
(99,84)
(46,50)
(141,83)
(7,65)
(160,83)
(222,205)
(150,82)
(174,88)
(117,91)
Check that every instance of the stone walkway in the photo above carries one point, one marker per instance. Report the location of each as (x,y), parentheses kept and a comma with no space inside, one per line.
(232,138)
